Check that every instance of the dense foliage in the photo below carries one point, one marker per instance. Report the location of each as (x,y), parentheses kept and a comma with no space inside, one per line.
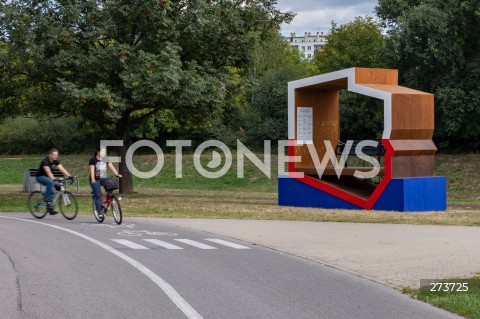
(354,44)
(23,135)
(198,70)
(435,46)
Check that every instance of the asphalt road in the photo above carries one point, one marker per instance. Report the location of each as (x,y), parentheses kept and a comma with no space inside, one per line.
(54,268)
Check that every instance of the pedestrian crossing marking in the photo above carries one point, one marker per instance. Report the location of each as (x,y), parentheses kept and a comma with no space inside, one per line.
(226,243)
(129,244)
(162,244)
(195,244)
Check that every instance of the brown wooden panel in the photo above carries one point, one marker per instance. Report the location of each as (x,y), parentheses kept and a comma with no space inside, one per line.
(325,106)
(413,166)
(411,134)
(412,116)
(413,147)
(394,89)
(339,84)
(356,186)
(376,76)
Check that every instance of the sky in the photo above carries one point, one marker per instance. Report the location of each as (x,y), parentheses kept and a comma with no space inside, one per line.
(317,15)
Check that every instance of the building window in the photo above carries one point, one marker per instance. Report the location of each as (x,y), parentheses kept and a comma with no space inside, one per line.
(309,48)
(303,48)
(309,55)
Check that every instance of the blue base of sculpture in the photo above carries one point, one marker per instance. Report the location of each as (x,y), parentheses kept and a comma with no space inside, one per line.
(401,194)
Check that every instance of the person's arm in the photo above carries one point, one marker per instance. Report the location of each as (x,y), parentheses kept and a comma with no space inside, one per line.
(92,173)
(48,171)
(114,170)
(63,170)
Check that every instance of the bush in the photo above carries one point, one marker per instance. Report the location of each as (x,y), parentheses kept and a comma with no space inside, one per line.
(25,135)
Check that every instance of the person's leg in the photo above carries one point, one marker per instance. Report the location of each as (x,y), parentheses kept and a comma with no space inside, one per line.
(49,193)
(48,183)
(97,195)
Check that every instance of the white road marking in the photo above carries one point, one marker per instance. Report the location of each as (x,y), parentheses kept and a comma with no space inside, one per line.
(162,244)
(138,233)
(129,244)
(195,244)
(167,289)
(226,243)
(110,225)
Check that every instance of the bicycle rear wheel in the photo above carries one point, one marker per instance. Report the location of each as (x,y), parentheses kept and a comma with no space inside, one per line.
(68,205)
(99,216)
(116,210)
(36,204)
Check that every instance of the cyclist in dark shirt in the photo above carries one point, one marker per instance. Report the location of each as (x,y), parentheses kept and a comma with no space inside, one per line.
(45,176)
(98,165)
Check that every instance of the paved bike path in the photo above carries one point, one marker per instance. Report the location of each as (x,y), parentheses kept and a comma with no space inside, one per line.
(72,269)
(396,255)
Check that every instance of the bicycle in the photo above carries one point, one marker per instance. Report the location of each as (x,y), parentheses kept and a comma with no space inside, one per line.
(110,201)
(68,205)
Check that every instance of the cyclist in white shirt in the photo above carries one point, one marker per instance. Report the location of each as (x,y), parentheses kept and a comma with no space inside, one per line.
(98,171)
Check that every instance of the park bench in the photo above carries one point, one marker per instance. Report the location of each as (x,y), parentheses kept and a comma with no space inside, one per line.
(29,179)
(377,151)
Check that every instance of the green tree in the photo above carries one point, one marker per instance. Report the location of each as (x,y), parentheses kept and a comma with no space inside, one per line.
(275,52)
(269,105)
(354,44)
(390,10)
(256,102)
(11,84)
(435,46)
(118,63)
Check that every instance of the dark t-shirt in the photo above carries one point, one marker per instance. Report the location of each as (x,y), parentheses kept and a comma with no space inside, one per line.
(100,167)
(46,162)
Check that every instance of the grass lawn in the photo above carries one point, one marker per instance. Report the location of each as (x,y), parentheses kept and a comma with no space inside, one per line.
(466,304)
(252,197)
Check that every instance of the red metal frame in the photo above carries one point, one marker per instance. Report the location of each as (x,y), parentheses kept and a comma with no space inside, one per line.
(360,202)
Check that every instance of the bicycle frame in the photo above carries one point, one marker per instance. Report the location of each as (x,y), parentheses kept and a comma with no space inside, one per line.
(106,203)
(61,192)
(65,197)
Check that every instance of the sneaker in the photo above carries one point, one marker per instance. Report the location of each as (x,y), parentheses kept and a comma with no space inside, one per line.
(52,212)
(99,214)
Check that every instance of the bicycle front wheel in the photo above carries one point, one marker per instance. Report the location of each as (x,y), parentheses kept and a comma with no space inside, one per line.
(36,204)
(68,205)
(116,210)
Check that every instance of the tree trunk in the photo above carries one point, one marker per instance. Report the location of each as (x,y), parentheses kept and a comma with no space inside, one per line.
(126,182)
